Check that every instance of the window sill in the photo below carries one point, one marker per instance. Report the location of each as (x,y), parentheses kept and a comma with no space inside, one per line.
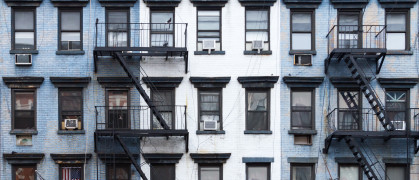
(210,132)
(257,132)
(69,52)
(212,53)
(292,52)
(24,132)
(256,53)
(71,132)
(23,51)
(399,52)
(302,132)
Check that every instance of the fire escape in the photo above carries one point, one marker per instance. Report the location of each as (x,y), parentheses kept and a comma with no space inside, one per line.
(120,129)
(353,46)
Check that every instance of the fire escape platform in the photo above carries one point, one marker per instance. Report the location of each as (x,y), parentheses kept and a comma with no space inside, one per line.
(374,134)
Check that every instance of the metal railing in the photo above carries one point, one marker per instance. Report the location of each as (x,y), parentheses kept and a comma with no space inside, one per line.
(141,34)
(342,119)
(139,117)
(353,36)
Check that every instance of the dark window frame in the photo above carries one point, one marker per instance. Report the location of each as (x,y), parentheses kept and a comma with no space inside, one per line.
(268,109)
(126,10)
(60,31)
(71,165)
(267,165)
(107,106)
(163,164)
(405,166)
(407,30)
(60,111)
(173,32)
(313,173)
(359,12)
(313,105)
(407,115)
(220,101)
(14,108)
(219,165)
(126,166)
(15,166)
(360,172)
(360,95)
(23,9)
(268,9)
(157,90)
(220,25)
(312,12)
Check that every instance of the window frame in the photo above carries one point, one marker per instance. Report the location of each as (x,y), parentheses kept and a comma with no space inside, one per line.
(360,95)
(313,27)
(127,166)
(163,10)
(219,165)
(406,12)
(23,9)
(71,165)
(313,173)
(153,92)
(107,106)
(267,165)
(350,11)
(163,164)
(313,106)
(120,9)
(14,107)
(15,166)
(220,25)
(60,31)
(60,111)
(220,101)
(268,9)
(405,166)
(407,105)
(360,172)
(268,104)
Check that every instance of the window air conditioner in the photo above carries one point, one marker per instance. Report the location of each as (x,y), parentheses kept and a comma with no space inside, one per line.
(257,44)
(23,59)
(210,125)
(71,123)
(208,45)
(399,125)
(302,59)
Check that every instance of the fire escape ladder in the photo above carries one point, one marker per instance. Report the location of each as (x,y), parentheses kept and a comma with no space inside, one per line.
(131,157)
(360,158)
(351,103)
(366,88)
(140,89)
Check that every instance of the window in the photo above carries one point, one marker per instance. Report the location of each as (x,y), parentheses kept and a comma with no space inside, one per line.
(209,107)
(71,172)
(258,171)
(117,115)
(163,172)
(349,110)
(257,110)
(162,28)
(24,172)
(397,22)
(350,172)
(302,110)
(24,107)
(117,27)
(399,172)
(302,30)
(349,22)
(210,172)
(23,34)
(118,172)
(71,106)
(209,27)
(70,34)
(302,140)
(257,27)
(302,172)
(164,100)
(396,108)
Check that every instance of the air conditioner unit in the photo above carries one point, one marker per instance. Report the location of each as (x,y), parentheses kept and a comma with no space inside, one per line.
(210,125)
(23,59)
(257,44)
(399,125)
(302,59)
(71,123)
(208,45)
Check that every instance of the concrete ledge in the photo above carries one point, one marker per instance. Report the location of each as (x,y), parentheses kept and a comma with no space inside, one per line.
(256,53)
(64,132)
(69,52)
(302,132)
(206,53)
(23,158)
(210,132)
(257,132)
(292,52)
(302,159)
(24,132)
(210,158)
(162,158)
(390,160)
(70,158)
(257,159)
(345,160)
(23,51)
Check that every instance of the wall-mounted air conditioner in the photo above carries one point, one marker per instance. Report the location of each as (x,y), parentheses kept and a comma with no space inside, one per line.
(208,45)
(210,125)
(23,59)
(71,123)
(258,45)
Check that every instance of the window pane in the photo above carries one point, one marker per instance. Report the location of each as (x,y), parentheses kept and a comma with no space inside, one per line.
(117,98)
(24,20)
(301,41)
(348,19)
(349,172)
(256,19)
(24,173)
(163,172)
(117,17)
(396,173)
(68,36)
(210,116)
(121,172)
(24,40)
(70,21)
(24,119)
(208,20)
(396,22)
(257,101)
(24,101)
(301,100)
(210,173)
(161,20)
(210,101)
(117,39)
(257,35)
(257,173)
(301,120)
(396,41)
(70,41)
(301,173)
(348,97)
(71,100)
(160,40)
(301,22)
(73,173)
(209,35)
(257,120)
